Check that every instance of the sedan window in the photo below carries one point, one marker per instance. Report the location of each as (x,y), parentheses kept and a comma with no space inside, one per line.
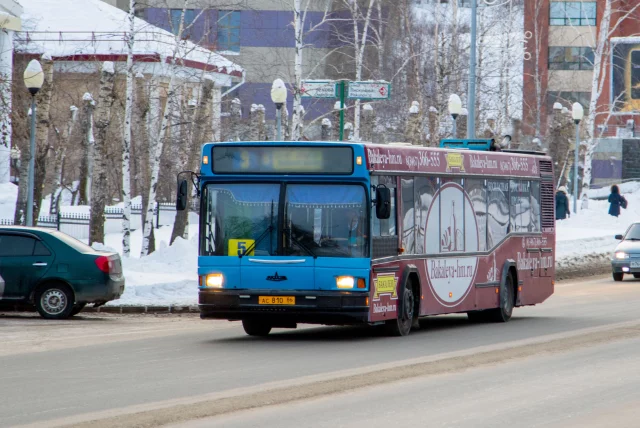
(633,234)
(15,246)
(40,250)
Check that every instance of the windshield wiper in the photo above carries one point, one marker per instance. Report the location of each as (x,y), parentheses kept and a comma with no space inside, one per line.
(257,241)
(261,237)
(300,244)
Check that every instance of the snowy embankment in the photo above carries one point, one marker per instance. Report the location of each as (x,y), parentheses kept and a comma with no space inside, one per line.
(169,276)
(588,238)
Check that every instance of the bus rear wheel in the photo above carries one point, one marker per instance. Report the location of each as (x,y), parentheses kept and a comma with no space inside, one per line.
(504,311)
(256,327)
(401,326)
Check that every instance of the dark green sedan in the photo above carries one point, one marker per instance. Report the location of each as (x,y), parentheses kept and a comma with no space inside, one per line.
(54,272)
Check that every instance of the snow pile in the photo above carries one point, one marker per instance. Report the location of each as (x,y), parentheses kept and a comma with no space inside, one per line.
(625,189)
(8,198)
(169,276)
(60,23)
(592,231)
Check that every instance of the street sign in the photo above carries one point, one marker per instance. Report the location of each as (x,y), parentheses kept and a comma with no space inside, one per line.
(319,89)
(369,90)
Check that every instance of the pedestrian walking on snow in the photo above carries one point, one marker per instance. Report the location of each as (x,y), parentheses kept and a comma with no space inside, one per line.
(562,204)
(616,200)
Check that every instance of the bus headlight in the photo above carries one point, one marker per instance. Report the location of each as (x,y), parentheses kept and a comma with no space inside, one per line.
(214,280)
(621,255)
(345,281)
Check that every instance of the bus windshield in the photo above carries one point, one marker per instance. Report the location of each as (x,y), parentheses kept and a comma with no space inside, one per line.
(320,220)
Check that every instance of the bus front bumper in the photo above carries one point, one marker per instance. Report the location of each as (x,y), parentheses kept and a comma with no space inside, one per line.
(312,307)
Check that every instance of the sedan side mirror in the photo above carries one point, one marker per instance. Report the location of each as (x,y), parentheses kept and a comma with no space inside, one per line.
(618,237)
(383,203)
(181,200)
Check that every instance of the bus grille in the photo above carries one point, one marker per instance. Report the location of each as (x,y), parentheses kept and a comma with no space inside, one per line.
(545,167)
(547,205)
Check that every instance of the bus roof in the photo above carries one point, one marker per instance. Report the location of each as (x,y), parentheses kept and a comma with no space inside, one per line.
(405,159)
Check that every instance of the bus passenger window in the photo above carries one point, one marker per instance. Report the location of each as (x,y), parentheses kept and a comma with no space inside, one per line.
(475,189)
(497,211)
(535,206)
(425,189)
(408,217)
(520,205)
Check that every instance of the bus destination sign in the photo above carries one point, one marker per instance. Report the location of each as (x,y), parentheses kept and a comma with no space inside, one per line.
(282,160)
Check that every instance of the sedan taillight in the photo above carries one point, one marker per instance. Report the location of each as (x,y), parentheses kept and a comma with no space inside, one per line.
(103,263)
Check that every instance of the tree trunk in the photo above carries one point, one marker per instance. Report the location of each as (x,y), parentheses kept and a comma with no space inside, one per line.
(100,176)
(43,108)
(20,215)
(155,165)
(153,128)
(126,140)
(88,141)
(297,71)
(60,158)
(597,83)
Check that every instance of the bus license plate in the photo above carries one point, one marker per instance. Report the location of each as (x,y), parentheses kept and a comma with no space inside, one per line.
(276,300)
(635,264)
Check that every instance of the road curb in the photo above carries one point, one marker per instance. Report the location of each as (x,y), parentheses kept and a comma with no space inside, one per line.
(591,266)
(155,309)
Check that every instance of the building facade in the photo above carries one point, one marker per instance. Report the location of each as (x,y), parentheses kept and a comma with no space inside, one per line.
(561,37)
(256,34)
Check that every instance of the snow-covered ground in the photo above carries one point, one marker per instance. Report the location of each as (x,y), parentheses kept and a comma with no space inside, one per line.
(169,276)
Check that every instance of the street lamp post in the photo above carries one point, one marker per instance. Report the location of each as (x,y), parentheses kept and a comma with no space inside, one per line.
(455,108)
(279,97)
(577,112)
(33,80)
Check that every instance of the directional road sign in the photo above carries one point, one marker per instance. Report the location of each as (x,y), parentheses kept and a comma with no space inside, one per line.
(369,90)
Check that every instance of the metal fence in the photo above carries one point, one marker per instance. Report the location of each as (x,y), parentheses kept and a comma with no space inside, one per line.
(77,225)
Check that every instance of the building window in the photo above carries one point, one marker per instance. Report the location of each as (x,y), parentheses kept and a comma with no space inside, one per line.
(568,98)
(229,30)
(189,17)
(572,13)
(570,58)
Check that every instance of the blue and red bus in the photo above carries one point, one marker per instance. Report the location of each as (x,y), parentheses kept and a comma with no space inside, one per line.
(356,233)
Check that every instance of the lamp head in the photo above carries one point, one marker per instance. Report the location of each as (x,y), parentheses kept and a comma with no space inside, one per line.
(278,92)
(577,112)
(33,76)
(455,105)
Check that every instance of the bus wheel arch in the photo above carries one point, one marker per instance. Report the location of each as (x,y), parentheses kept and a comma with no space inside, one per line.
(410,281)
(508,295)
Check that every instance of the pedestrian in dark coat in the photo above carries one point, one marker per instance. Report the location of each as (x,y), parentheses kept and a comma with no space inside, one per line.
(615,199)
(562,204)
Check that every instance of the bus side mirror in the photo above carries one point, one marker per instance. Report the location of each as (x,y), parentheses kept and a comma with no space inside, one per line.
(618,237)
(383,203)
(181,200)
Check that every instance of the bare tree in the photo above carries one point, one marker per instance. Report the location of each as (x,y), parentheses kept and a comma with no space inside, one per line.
(601,54)
(99,176)
(60,157)
(88,141)
(126,140)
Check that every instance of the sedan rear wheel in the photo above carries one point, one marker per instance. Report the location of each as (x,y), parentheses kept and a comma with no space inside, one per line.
(54,301)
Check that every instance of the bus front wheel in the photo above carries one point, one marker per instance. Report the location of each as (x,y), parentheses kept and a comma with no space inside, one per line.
(401,326)
(256,327)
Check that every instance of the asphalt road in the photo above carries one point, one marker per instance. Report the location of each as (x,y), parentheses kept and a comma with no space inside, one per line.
(595,387)
(51,371)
